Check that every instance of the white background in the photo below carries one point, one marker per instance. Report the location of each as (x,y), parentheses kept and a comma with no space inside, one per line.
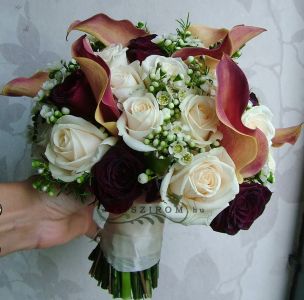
(196,263)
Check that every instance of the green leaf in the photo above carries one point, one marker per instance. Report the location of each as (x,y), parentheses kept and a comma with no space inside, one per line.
(158,166)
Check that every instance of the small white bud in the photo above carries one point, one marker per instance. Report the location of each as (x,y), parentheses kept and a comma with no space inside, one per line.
(143,178)
(65,110)
(190,59)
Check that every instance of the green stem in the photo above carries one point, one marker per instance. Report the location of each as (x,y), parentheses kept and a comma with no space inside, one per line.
(126,291)
(148,279)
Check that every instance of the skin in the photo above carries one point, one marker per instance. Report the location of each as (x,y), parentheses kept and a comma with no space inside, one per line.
(33,220)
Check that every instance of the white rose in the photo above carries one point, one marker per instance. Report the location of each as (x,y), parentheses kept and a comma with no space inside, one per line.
(260,117)
(75,146)
(203,188)
(140,117)
(198,112)
(114,55)
(172,66)
(126,81)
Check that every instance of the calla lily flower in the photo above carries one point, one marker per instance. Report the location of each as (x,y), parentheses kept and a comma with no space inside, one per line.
(108,30)
(24,86)
(230,41)
(247,147)
(98,75)
(287,135)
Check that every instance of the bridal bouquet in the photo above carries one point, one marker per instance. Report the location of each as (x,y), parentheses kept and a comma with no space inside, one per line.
(155,127)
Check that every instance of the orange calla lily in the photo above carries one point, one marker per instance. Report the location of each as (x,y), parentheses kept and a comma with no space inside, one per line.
(247,147)
(108,30)
(25,86)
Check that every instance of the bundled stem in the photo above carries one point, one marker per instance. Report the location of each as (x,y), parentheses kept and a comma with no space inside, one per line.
(125,285)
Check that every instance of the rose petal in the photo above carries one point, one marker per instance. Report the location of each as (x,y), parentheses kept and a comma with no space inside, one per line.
(107,30)
(287,135)
(98,74)
(25,86)
(209,36)
(247,147)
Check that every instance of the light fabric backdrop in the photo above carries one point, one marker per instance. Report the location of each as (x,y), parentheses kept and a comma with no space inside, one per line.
(196,263)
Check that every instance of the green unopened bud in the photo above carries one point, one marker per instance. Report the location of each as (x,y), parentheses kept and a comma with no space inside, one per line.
(171,137)
(51,193)
(168,43)
(192,144)
(80,179)
(58,114)
(36,164)
(171,105)
(149,172)
(151,88)
(158,129)
(163,144)
(155,142)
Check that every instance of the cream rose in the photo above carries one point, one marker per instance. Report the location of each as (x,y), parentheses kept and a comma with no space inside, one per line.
(140,117)
(126,81)
(114,55)
(260,117)
(198,112)
(203,188)
(75,146)
(172,66)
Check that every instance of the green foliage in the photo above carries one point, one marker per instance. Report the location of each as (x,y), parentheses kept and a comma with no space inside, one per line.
(158,166)
(45,182)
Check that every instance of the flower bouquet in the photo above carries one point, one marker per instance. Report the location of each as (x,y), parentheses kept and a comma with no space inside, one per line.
(155,127)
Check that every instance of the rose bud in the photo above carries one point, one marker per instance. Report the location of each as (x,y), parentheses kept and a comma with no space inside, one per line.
(142,47)
(75,93)
(246,207)
(115,178)
(253,99)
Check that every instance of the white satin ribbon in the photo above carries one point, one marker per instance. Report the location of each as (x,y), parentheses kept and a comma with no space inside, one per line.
(132,247)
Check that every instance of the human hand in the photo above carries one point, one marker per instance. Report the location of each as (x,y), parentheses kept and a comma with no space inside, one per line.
(31,219)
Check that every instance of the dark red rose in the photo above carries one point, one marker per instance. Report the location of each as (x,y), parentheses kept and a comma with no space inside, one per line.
(253,99)
(114,182)
(247,206)
(142,47)
(75,93)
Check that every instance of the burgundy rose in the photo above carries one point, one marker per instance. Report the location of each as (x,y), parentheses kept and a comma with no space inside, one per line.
(247,206)
(75,93)
(115,182)
(253,99)
(142,47)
